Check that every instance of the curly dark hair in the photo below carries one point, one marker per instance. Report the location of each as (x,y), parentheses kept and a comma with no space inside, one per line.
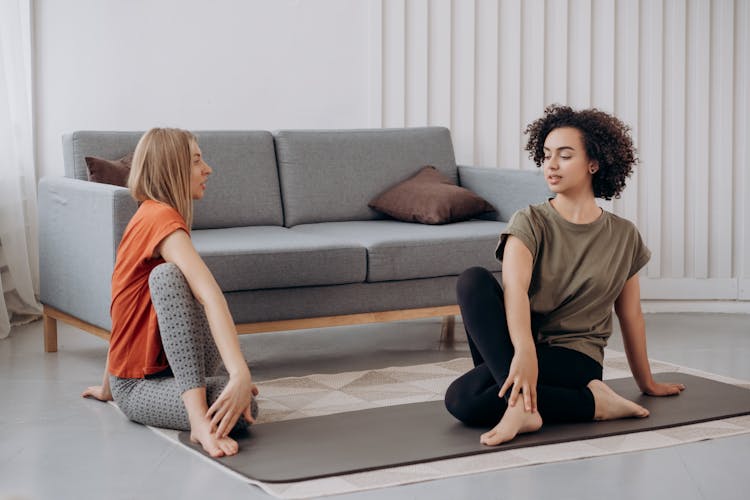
(606,139)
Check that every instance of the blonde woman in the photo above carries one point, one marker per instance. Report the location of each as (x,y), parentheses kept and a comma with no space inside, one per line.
(171,326)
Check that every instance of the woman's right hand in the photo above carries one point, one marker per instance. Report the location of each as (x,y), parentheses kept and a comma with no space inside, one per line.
(233,402)
(524,370)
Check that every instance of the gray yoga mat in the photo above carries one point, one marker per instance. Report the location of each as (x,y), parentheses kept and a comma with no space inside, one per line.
(309,448)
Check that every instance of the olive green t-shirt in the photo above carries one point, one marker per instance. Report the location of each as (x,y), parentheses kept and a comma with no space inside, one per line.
(578,272)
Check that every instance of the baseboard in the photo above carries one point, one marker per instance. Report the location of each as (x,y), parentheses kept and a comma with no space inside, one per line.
(683,306)
(696,306)
(690,289)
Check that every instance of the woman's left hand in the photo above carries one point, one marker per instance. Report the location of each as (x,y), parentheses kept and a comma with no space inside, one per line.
(664,389)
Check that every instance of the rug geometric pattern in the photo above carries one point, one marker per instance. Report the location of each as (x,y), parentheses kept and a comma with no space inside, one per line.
(323,394)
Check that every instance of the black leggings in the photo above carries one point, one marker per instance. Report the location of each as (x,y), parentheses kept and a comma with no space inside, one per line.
(562,395)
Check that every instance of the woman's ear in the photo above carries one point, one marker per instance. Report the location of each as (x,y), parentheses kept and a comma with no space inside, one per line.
(593,167)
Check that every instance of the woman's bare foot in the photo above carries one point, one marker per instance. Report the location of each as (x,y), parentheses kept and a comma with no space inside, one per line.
(201,431)
(516,420)
(215,446)
(610,406)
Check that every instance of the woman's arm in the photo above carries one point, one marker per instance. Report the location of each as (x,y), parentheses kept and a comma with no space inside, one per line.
(633,326)
(524,369)
(100,392)
(235,398)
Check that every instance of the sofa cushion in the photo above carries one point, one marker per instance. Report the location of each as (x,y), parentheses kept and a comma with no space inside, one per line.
(429,197)
(243,189)
(279,304)
(331,175)
(250,258)
(400,250)
(103,144)
(113,172)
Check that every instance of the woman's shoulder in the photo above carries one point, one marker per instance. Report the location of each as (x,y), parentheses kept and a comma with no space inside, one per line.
(621,223)
(536,216)
(154,208)
(529,219)
(624,230)
(156,213)
(533,212)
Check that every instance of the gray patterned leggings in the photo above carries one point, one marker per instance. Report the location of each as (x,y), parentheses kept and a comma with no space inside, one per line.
(192,354)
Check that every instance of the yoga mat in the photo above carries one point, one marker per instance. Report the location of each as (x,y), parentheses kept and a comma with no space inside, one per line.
(344,443)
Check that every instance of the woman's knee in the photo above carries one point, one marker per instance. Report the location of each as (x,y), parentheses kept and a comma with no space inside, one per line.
(166,280)
(472,280)
(167,286)
(458,402)
(471,400)
(173,300)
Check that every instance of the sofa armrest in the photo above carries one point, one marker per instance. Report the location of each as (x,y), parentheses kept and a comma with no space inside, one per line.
(80,226)
(506,189)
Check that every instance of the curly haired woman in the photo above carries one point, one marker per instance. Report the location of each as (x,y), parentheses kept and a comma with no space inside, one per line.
(538,341)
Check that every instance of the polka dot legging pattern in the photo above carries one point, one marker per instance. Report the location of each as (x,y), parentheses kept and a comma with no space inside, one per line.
(192,354)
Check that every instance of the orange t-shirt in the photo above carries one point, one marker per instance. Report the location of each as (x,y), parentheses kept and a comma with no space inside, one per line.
(135,348)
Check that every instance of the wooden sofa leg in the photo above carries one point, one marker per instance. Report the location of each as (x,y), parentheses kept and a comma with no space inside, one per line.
(50,333)
(448,333)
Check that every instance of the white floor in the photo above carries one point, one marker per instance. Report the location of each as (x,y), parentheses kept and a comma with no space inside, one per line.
(55,445)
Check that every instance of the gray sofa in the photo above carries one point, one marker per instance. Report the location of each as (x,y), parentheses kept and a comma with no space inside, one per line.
(284,226)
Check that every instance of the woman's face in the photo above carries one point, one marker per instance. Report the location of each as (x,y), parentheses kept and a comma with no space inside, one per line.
(567,167)
(199,172)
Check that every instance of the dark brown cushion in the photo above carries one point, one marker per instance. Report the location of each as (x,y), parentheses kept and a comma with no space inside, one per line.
(109,171)
(430,197)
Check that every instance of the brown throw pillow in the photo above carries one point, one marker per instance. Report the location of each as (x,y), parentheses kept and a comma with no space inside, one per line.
(430,197)
(109,171)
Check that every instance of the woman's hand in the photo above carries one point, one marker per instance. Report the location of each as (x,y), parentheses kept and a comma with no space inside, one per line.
(524,370)
(100,392)
(664,389)
(233,402)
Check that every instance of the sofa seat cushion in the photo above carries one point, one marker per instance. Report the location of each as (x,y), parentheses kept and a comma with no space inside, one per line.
(402,250)
(258,257)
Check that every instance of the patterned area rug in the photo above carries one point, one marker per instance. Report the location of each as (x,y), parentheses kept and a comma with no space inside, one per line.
(322,394)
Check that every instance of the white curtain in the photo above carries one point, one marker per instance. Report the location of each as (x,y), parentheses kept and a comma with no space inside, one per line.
(19,263)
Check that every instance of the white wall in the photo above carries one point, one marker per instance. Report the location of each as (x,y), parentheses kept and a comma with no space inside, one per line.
(219,64)
(676,70)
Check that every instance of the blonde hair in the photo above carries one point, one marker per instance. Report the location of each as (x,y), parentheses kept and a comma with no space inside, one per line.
(160,169)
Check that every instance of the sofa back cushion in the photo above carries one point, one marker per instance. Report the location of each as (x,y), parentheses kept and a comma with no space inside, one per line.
(243,189)
(331,175)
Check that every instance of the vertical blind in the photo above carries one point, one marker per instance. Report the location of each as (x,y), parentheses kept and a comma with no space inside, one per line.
(675,70)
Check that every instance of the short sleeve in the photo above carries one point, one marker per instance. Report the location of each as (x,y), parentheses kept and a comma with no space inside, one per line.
(522,227)
(641,254)
(164,221)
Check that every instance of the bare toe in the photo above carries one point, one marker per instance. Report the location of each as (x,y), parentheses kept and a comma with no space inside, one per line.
(212,449)
(229,446)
